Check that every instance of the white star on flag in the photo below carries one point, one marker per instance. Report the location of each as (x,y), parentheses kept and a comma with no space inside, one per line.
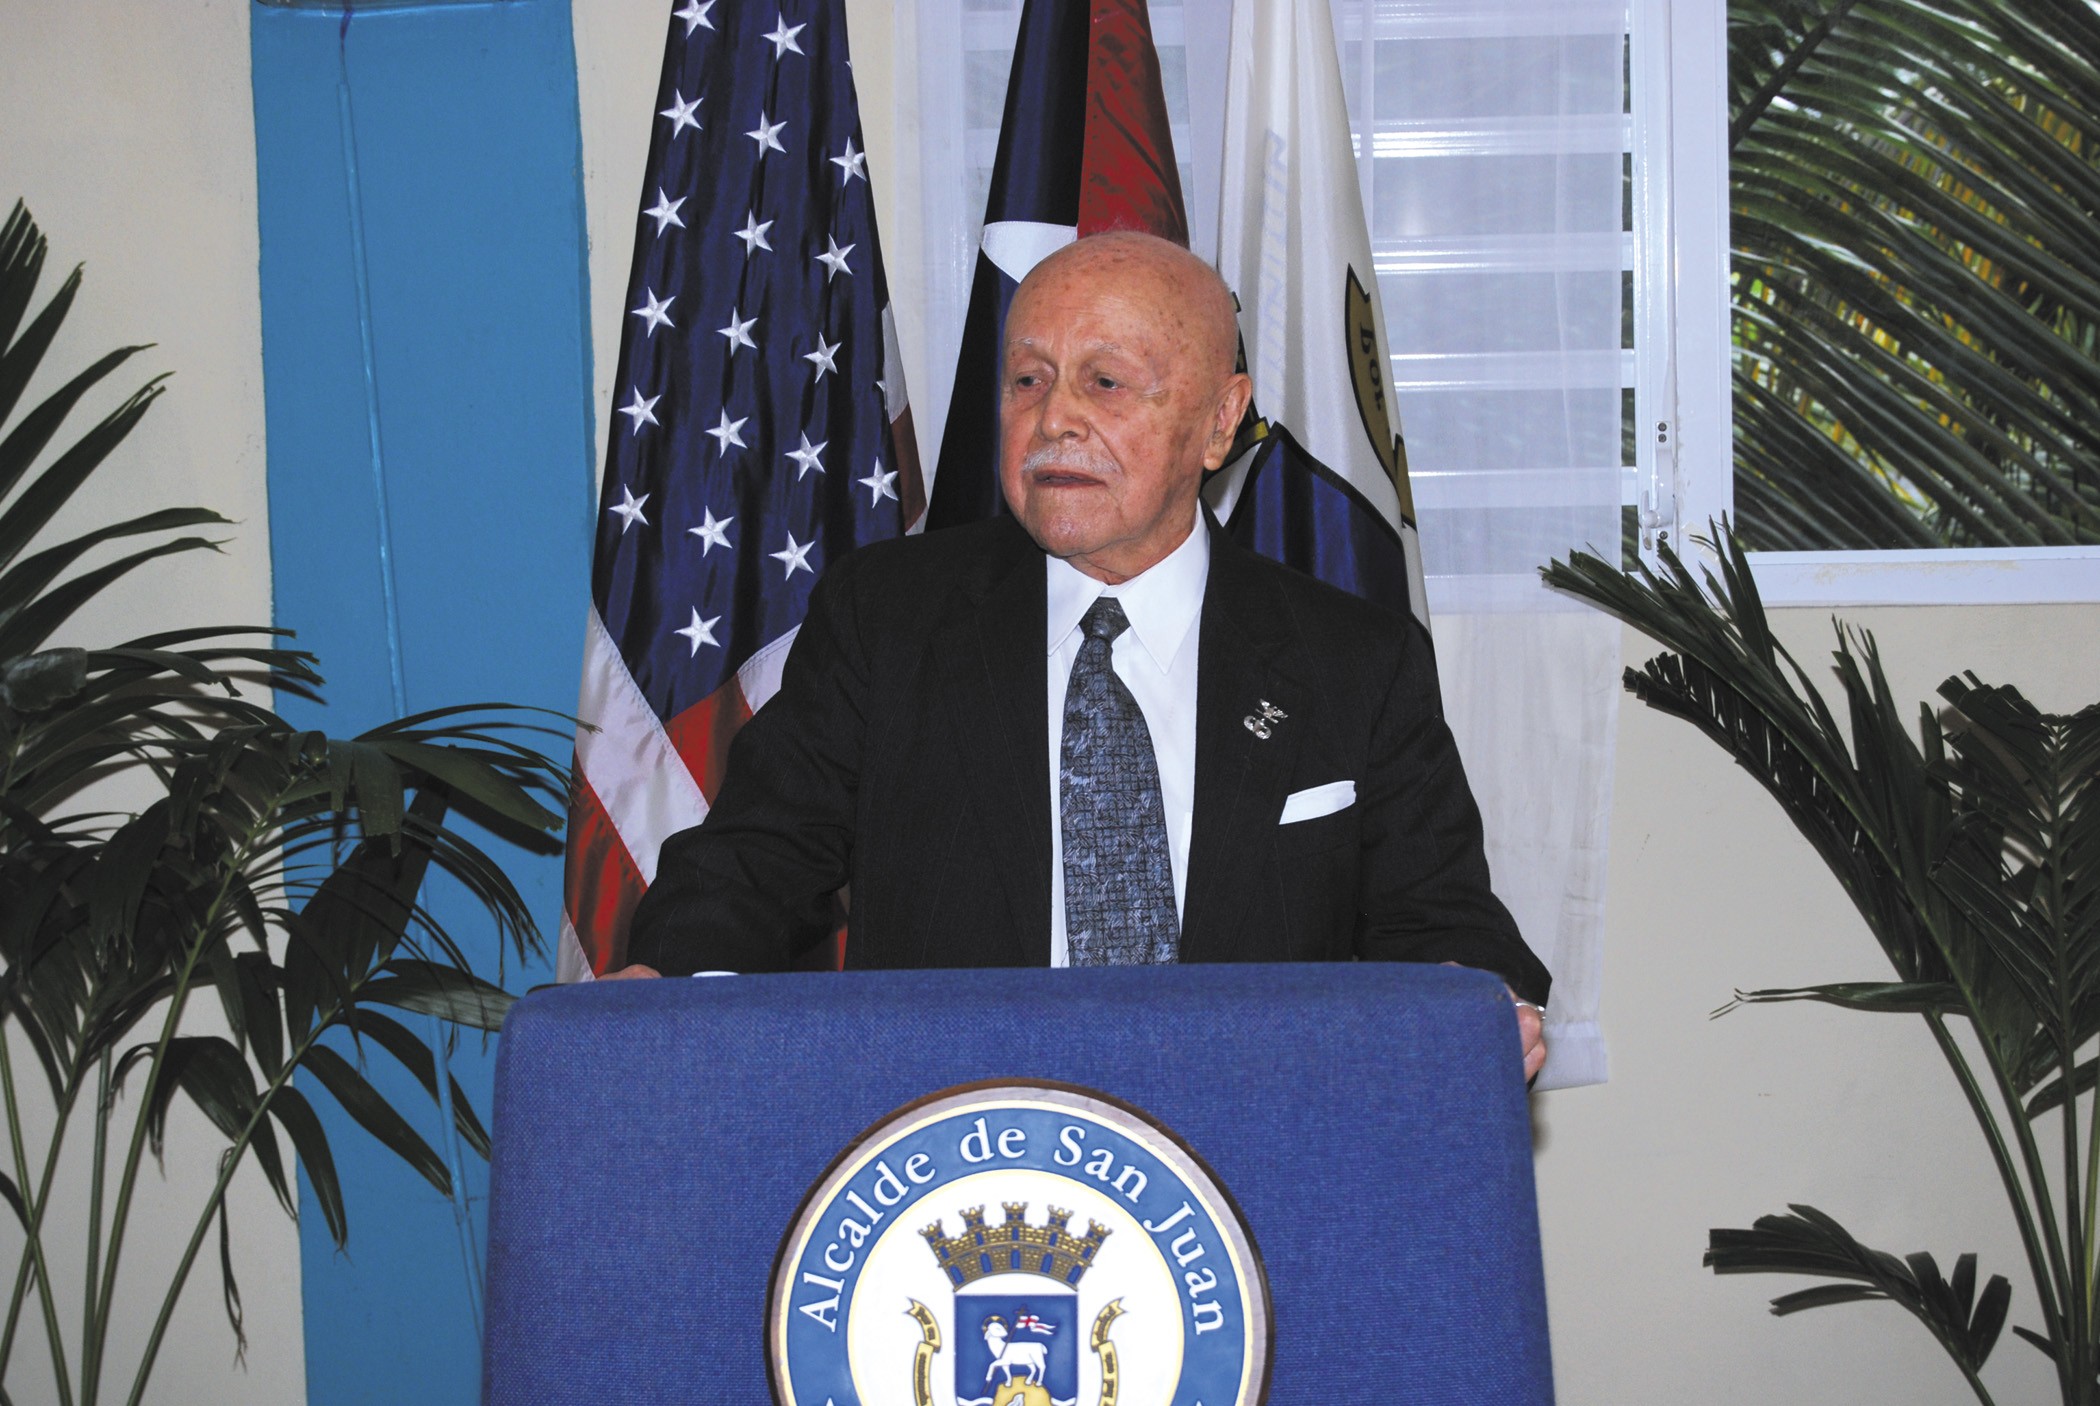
(656,314)
(642,411)
(713,532)
(738,333)
(681,113)
(796,556)
(665,211)
(767,135)
(880,485)
(695,16)
(834,258)
(700,632)
(825,357)
(629,509)
(754,234)
(853,163)
(726,434)
(783,39)
(806,458)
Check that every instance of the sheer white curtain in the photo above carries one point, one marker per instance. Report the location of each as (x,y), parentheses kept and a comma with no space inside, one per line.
(1492,139)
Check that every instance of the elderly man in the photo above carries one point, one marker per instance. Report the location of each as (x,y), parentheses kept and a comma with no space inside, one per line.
(1098,731)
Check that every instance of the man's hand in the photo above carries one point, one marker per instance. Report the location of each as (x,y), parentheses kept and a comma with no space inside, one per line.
(1531,1029)
(638,971)
(1531,1026)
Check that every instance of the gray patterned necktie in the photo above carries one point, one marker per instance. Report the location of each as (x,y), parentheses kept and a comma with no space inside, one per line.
(1119,883)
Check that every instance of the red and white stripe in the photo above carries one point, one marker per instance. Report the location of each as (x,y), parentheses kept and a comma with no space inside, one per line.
(638,782)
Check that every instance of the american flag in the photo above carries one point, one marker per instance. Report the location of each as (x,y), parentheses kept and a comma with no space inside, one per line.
(760,431)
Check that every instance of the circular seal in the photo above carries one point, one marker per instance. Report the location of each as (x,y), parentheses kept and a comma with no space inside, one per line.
(1018,1244)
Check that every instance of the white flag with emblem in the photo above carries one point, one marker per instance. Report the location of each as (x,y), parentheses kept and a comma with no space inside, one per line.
(1294,248)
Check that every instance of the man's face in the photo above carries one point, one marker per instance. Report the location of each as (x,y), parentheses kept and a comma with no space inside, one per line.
(1112,405)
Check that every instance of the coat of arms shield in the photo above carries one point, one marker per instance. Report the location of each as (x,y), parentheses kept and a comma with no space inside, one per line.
(1016,1343)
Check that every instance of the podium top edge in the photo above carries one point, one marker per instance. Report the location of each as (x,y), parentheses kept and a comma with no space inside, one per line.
(1267,985)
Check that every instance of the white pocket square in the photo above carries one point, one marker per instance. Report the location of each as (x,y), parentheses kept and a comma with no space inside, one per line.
(1316,801)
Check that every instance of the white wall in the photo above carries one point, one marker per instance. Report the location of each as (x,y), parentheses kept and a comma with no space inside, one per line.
(129,130)
(619,53)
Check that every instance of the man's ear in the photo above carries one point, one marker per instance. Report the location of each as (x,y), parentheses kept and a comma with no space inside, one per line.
(1225,424)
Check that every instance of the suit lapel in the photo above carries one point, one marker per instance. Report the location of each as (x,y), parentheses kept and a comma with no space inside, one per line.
(992,662)
(1248,656)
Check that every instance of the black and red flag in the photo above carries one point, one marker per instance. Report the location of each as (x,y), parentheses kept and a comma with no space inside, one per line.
(1083,147)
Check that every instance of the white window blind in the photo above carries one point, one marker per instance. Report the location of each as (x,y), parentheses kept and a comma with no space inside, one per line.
(1493,139)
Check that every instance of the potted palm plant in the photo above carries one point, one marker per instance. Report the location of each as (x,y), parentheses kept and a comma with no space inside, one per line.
(1969,841)
(270,876)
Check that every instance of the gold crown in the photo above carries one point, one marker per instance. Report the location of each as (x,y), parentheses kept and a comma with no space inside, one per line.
(1016,1247)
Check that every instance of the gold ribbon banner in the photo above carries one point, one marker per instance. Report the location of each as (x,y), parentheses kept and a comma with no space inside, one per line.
(1111,1376)
(922,1356)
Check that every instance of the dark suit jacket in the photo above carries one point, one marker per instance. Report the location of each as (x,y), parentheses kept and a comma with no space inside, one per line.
(907,754)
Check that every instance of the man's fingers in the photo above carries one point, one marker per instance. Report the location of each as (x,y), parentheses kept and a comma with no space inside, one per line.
(633,973)
(1531,1030)
(1531,1026)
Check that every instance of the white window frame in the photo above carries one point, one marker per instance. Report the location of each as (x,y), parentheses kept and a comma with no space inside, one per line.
(1685,461)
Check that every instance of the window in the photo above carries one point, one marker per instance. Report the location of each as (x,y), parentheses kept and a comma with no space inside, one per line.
(1882,342)
(1494,139)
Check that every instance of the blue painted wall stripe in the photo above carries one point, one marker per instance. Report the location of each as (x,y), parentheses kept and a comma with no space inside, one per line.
(427,381)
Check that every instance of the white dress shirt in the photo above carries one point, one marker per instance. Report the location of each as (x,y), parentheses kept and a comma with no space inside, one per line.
(1156,660)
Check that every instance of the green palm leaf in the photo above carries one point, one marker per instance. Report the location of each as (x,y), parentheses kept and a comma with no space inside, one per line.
(376,1116)
(1806,1241)
(1915,198)
(310,1141)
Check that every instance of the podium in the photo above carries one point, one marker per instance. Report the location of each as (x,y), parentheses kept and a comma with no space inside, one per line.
(655,1141)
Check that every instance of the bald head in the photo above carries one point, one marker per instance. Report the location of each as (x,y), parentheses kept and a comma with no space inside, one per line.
(1117,391)
(1191,289)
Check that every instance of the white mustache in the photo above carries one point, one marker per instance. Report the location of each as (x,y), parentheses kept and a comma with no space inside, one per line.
(1063,456)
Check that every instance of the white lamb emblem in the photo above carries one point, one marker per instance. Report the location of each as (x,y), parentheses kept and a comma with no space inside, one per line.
(1027,1358)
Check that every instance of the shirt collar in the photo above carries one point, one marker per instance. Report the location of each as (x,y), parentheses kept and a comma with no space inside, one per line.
(1162,601)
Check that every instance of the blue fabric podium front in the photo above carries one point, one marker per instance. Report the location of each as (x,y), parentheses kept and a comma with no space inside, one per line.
(653,1140)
